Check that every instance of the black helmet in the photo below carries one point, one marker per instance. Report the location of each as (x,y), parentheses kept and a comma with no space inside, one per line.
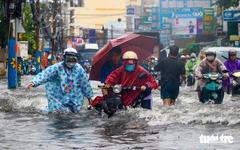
(232,52)
(210,51)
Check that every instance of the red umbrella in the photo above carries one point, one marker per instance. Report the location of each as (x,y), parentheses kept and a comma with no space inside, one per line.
(142,45)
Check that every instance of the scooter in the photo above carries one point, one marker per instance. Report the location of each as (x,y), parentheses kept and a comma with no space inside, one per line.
(115,102)
(33,70)
(87,68)
(235,85)
(212,92)
(191,79)
(153,73)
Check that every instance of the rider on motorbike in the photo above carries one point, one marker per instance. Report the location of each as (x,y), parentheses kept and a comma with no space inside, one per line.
(86,63)
(189,66)
(182,58)
(26,67)
(232,64)
(210,64)
(187,58)
(126,75)
(152,64)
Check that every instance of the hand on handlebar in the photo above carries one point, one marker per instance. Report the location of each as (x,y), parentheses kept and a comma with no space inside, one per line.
(101,85)
(200,76)
(225,77)
(143,88)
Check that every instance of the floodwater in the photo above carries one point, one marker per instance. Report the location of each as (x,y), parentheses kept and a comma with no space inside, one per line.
(187,125)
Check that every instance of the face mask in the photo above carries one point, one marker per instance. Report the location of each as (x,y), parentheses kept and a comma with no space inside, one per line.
(130,67)
(152,60)
(70,64)
(210,58)
(193,59)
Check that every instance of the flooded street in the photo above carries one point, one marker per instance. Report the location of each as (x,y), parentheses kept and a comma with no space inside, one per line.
(24,124)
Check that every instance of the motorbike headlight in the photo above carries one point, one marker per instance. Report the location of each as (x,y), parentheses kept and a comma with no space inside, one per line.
(237,74)
(117,88)
(213,76)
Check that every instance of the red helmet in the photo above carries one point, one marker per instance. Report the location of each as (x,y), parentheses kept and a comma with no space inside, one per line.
(187,57)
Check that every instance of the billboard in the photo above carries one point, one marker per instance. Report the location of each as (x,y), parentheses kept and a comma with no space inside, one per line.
(136,23)
(208,21)
(185,26)
(155,18)
(169,7)
(233,27)
(230,15)
(186,23)
(130,11)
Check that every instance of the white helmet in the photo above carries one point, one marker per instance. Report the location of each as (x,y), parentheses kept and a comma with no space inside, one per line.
(70,51)
(193,55)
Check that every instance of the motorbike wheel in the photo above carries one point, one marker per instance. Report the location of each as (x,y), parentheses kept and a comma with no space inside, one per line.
(233,90)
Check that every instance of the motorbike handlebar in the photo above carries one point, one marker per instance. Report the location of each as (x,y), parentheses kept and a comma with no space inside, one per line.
(107,86)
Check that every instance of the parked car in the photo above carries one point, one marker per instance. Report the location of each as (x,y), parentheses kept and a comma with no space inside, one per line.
(222,52)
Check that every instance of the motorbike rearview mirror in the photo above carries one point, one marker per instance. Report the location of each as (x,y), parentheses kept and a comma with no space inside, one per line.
(142,75)
(225,71)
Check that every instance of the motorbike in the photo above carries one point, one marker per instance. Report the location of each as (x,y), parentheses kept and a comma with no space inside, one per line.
(191,79)
(212,92)
(114,102)
(235,85)
(33,70)
(87,68)
(153,73)
(156,74)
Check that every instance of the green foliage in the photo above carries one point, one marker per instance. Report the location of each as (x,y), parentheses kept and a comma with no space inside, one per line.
(227,3)
(30,27)
(191,48)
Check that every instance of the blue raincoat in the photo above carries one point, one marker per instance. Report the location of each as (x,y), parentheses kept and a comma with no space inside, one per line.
(58,79)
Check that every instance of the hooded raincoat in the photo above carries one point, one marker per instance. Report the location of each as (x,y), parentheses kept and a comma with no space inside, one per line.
(57,77)
(189,65)
(231,66)
(126,78)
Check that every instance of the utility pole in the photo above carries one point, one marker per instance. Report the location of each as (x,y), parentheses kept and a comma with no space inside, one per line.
(61,47)
(54,26)
(38,26)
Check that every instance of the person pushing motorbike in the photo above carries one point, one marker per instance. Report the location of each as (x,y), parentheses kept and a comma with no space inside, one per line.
(67,84)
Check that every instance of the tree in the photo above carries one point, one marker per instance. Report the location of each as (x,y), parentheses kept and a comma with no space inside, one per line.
(191,48)
(225,4)
(30,27)
(3,27)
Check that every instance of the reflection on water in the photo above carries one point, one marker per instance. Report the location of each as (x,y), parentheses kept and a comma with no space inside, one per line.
(24,125)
